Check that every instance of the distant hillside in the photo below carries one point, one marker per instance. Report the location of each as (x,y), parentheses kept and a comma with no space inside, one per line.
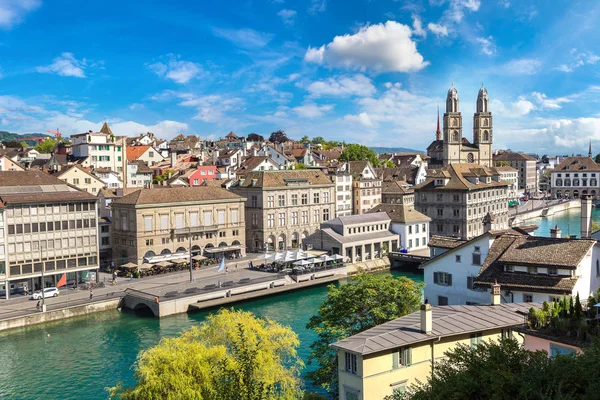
(382,150)
(9,137)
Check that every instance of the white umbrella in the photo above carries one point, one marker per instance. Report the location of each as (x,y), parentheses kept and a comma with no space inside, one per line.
(321,259)
(302,263)
(337,257)
(274,257)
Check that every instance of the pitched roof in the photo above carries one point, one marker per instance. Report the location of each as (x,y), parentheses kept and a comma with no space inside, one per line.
(445,242)
(34,186)
(106,129)
(67,169)
(458,174)
(406,173)
(511,156)
(534,251)
(283,178)
(447,321)
(359,219)
(142,167)
(135,152)
(436,145)
(396,187)
(576,164)
(165,195)
(253,162)
(400,213)
(355,238)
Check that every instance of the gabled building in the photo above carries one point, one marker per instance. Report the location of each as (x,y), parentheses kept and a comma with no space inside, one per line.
(138,174)
(101,150)
(81,179)
(411,226)
(145,153)
(278,156)
(397,192)
(574,177)
(201,174)
(257,163)
(6,164)
(366,186)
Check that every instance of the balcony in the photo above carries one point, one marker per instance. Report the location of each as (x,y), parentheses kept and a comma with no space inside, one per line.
(198,229)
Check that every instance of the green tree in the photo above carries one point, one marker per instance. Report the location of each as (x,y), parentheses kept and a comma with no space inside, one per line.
(505,370)
(278,137)
(358,152)
(232,355)
(318,140)
(389,164)
(300,166)
(366,301)
(597,158)
(255,137)
(501,163)
(46,146)
(305,139)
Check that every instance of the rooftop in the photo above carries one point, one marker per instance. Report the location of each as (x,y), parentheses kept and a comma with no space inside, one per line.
(183,194)
(400,213)
(457,175)
(283,178)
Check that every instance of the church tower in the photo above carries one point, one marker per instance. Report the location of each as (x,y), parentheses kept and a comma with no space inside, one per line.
(452,128)
(482,128)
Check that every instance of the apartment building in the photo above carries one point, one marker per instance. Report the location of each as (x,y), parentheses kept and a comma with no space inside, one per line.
(388,358)
(81,179)
(148,154)
(101,150)
(138,174)
(411,226)
(366,186)
(48,228)
(343,190)
(397,192)
(525,166)
(283,207)
(463,200)
(165,224)
(510,175)
(574,177)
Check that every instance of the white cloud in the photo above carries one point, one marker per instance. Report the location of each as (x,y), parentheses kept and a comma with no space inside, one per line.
(418,26)
(517,109)
(437,29)
(504,3)
(312,110)
(382,48)
(574,133)
(487,45)
(362,118)
(578,59)
(547,103)
(247,38)
(343,86)
(212,108)
(136,106)
(523,66)
(317,6)
(287,16)
(65,65)
(12,12)
(177,70)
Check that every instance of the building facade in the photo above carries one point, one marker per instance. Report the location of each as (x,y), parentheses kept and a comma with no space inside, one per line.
(343,190)
(452,147)
(411,226)
(101,150)
(81,179)
(284,207)
(48,229)
(463,200)
(366,186)
(164,224)
(526,167)
(574,177)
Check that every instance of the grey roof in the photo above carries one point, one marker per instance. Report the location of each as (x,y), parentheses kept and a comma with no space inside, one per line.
(361,219)
(447,321)
(355,238)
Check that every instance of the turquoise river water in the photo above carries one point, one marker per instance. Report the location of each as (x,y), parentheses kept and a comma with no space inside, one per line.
(83,356)
(568,221)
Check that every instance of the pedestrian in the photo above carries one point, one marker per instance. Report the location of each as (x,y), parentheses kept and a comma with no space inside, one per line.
(91,294)
(226,269)
(38,306)
(236,268)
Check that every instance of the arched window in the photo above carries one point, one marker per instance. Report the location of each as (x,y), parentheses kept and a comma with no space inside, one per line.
(559,182)
(470,158)
(486,136)
(575,182)
(455,136)
(452,122)
(567,182)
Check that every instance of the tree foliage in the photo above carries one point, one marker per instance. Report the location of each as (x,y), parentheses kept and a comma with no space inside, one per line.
(366,301)
(255,137)
(232,355)
(505,370)
(304,139)
(46,146)
(318,140)
(278,137)
(358,152)
(597,158)
(389,164)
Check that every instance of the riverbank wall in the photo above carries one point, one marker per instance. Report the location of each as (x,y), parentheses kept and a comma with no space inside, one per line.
(55,315)
(545,211)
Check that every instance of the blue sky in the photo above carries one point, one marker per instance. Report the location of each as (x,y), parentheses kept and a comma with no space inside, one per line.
(372,72)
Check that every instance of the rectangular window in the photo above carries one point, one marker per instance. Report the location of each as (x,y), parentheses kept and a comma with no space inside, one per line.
(316,198)
(304,217)
(123,222)
(281,200)
(532,270)
(552,271)
(442,301)
(164,222)
(234,216)
(295,218)
(470,280)
(254,201)
(325,197)
(440,212)
(294,199)
(193,219)
(207,218)
(442,278)
(527,298)
(410,243)
(476,259)
(271,220)
(148,224)
(476,339)
(304,199)
(271,201)
(402,358)
(221,216)
(179,221)
(254,221)
(351,363)
(457,258)
(316,216)
(281,219)
(326,214)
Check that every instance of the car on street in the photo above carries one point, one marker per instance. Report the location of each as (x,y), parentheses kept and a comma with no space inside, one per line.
(48,292)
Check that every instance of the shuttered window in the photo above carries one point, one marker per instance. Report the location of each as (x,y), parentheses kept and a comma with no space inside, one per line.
(221,216)
(148,224)
(207,218)
(234,216)
(164,222)
(194,219)
(179,221)
(402,358)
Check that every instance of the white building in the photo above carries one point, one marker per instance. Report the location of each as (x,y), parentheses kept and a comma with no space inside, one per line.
(100,149)
(411,226)
(510,175)
(139,175)
(343,190)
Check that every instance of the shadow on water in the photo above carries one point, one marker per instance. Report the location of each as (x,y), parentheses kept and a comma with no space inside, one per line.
(143,311)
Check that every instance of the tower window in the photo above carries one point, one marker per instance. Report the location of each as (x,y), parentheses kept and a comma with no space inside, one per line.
(486,136)
(485,122)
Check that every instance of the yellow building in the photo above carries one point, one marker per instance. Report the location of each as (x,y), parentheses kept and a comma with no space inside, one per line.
(81,179)
(392,356)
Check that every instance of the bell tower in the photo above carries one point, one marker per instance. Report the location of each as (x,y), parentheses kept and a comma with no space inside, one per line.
(482,128)
(452,128)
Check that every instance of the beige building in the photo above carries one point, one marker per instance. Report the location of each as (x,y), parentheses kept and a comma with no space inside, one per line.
(388,358)
(510,175)
(574,177)
(525,166)
(45,225)
(81,179)
(162,224)
(284,207)
(463,200)
(366,186)
(6,164)
(452,147)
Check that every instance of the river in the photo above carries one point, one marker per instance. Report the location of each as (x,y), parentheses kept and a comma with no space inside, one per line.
(568,221)
(78,358)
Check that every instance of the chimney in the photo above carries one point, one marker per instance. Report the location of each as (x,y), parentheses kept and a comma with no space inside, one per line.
(173,159)
(426,318)
(586,216)
(556,232)
(496,300)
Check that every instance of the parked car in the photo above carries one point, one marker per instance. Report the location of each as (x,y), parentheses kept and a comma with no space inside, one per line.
(48,292)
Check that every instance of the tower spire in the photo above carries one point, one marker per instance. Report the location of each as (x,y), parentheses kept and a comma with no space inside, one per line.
(438,133)
(590,151)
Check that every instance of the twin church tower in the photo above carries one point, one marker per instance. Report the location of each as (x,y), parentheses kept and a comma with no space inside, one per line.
(452,148)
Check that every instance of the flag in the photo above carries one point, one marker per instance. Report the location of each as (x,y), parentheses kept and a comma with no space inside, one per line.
(222,265)
(62,281)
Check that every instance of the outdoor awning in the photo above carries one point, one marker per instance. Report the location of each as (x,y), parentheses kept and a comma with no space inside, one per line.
(166,257)
(337,257)
(180,261)
(145,266)
(129,265)
(213,250)
(164,264)
(198,258)
(303,263)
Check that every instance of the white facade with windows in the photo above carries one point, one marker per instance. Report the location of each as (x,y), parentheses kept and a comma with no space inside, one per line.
(574,177)
(343,193)
(100,150)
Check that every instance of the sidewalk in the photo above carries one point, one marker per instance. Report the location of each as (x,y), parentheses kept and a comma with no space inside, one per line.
(22,305)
